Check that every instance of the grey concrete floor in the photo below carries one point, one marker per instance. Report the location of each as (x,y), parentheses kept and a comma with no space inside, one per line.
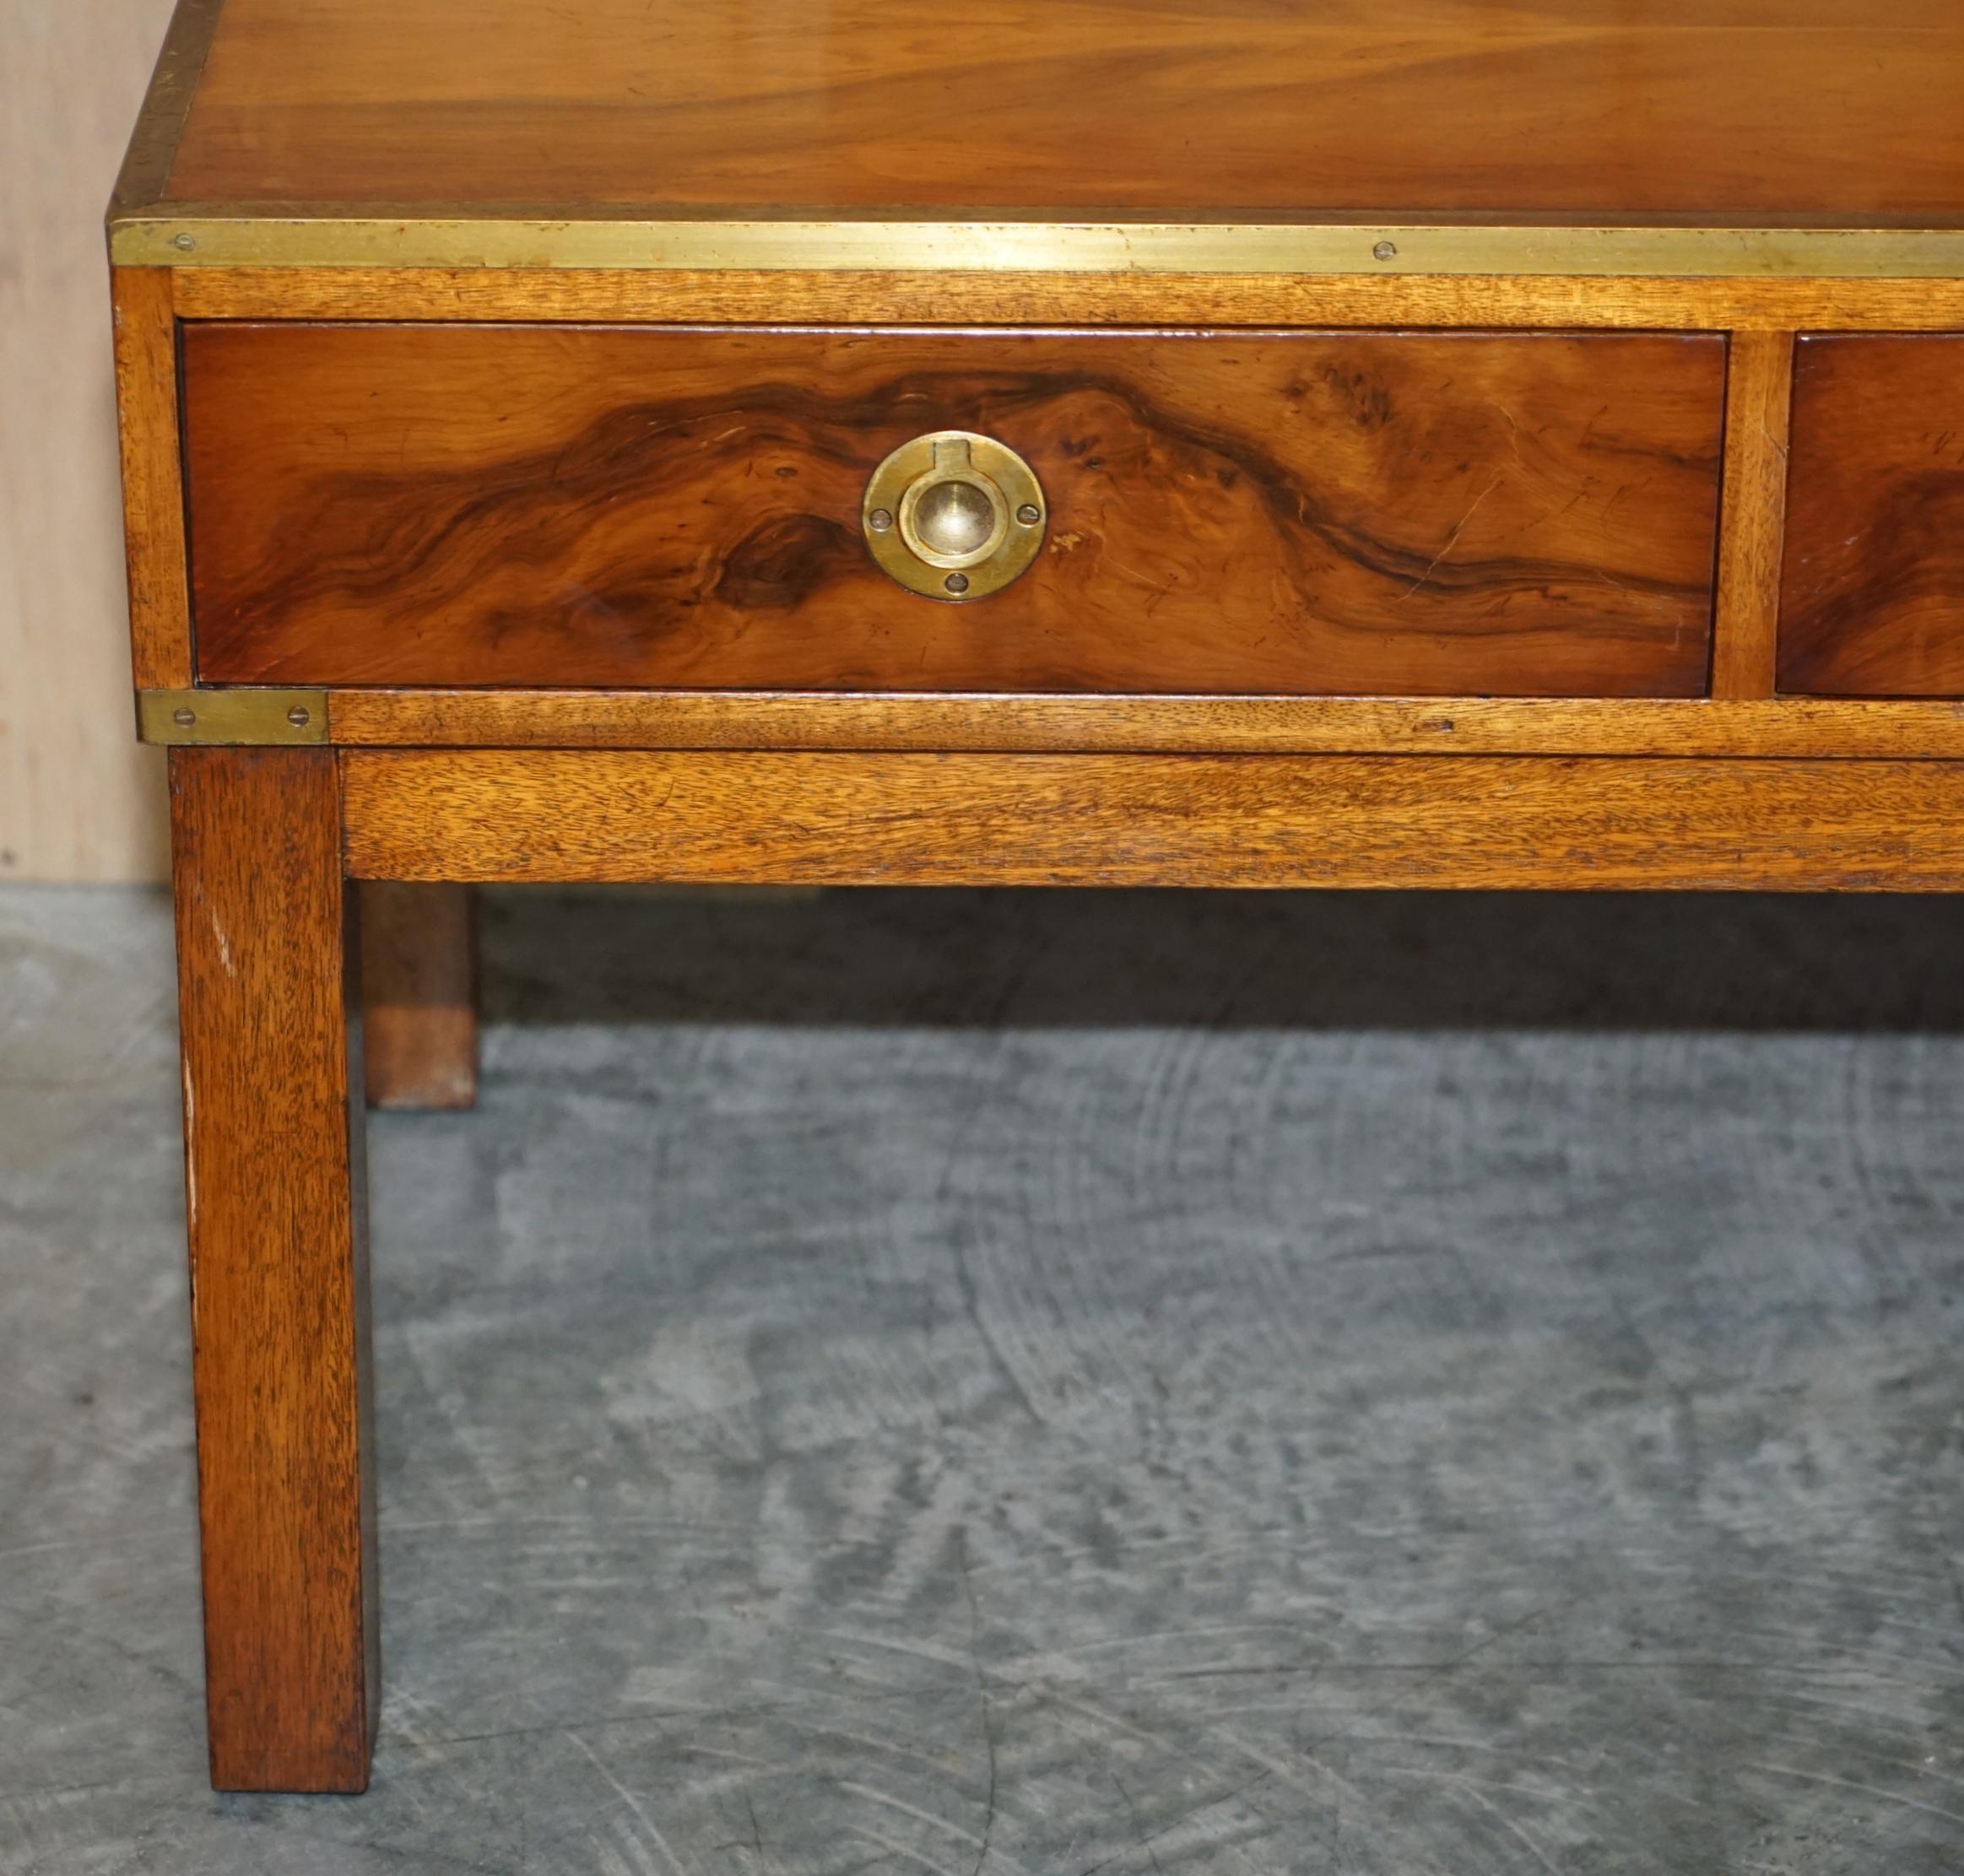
(1060,1385)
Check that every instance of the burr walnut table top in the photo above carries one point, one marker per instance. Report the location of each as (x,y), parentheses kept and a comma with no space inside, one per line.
(1778,116)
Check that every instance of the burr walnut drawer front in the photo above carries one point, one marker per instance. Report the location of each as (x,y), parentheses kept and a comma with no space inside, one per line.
(1286,512)
(1872,603)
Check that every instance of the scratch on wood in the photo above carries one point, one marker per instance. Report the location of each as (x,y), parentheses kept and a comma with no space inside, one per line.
(1453,539)
(224,944)
(191,1163)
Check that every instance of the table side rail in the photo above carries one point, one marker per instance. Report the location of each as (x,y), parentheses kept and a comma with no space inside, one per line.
(839,818)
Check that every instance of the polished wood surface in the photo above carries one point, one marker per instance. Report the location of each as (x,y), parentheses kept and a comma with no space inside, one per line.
(419,996)
(738,296)
(153,482)
(1430,513)
(834,819)
(1874,589)
(1758,401)
(277,1261)
(1111,723)
(1700,109)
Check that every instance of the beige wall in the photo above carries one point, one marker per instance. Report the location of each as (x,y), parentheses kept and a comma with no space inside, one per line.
(78,799)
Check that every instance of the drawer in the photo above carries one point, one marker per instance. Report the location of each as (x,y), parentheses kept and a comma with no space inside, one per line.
(1275,512)
(1872,598)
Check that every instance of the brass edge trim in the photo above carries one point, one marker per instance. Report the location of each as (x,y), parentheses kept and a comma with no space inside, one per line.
(202,238)
(240,717)
(153,145)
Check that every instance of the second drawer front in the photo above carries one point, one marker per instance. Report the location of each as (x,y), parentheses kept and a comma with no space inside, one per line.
(1873,594)
(1280,512)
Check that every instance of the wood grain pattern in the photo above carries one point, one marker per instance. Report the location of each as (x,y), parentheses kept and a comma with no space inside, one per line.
(153,482)
(833,818)
(419,996)
(739,297)
(1305,513)
(1873,594)
(1758,404)
(277,1261)
(1585,107)
(1359,726)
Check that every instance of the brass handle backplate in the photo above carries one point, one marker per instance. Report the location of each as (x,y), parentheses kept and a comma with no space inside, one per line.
(954,515)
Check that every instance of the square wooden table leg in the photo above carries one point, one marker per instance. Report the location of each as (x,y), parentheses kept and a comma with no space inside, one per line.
(276,1206)
(420,995)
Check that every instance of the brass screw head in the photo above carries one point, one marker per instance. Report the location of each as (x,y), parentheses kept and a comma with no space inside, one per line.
(957,582)
(184,243)
(298,716)
(881,520)
(185,718)
(1030,514)
(1386,251)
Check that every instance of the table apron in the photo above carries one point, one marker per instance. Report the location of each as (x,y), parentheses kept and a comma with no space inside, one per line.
(880,817)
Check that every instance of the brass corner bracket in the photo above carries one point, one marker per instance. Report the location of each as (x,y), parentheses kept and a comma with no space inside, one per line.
(238,717)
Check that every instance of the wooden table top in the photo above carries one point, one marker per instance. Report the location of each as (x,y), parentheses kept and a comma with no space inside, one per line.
(1784,114)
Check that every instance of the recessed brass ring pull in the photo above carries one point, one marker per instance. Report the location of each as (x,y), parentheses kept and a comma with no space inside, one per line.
(954,515)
